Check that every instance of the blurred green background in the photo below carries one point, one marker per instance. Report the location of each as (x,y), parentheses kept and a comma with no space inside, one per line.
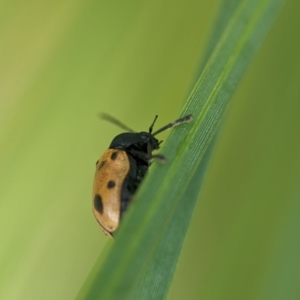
(62,62)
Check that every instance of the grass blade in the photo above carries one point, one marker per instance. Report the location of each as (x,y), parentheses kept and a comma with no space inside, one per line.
(156,224)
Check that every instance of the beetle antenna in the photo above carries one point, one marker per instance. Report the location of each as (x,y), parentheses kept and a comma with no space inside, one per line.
(113,120)
(185,119)
(151,127)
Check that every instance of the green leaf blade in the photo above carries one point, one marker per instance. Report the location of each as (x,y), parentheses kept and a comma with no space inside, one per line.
(153,226)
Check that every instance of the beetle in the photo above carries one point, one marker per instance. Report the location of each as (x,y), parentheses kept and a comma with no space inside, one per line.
(121,169)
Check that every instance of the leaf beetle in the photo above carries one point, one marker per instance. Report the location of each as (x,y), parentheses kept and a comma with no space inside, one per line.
(121,169)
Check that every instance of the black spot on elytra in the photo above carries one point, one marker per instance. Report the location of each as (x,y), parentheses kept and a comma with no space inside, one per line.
(111,184)
(114,155)
(98,204)
(101,165)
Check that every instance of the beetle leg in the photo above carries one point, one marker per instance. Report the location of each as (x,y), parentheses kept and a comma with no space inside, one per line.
(159,157)
(147,157)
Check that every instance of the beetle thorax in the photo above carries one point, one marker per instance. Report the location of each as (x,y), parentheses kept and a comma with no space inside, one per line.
(142,141)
